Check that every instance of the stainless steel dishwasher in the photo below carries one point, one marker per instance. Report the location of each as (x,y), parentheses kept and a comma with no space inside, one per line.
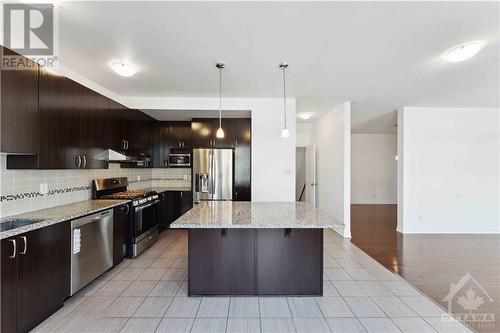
(91,248)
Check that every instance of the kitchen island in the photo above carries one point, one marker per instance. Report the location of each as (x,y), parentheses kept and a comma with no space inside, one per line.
(255,248)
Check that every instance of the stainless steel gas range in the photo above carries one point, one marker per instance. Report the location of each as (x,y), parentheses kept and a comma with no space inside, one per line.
(143,219)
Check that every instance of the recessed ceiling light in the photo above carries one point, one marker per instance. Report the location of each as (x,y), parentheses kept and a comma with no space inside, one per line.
(123,68)
(463,51)
(305,115)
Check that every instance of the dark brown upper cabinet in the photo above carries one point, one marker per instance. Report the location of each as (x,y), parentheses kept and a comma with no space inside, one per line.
(19,107)
(118,116)
(73,124)
(204,131)
(93,129)
(180,135)
(59,106)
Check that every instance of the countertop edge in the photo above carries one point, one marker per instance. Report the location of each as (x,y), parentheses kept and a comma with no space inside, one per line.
(49,222)
(255,226)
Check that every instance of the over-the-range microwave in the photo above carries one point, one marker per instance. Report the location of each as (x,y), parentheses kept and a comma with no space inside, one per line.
(179,160)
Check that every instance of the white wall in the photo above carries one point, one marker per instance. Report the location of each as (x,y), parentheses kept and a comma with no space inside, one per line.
(373,169)
(273,157)
(449,170)
(303,134)
(331,135)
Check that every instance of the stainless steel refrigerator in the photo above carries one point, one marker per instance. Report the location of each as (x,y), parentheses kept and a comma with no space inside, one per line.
(212,174)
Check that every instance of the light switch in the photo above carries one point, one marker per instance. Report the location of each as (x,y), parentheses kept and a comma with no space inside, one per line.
(44,188)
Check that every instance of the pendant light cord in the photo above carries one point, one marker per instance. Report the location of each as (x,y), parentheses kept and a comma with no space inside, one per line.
(284,94)
(220,97)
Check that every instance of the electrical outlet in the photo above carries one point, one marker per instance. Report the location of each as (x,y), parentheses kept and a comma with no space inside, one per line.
(44,188)
(138,178)
(185,177)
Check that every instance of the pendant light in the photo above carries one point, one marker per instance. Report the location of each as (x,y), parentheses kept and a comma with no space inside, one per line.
(220,131)
(284,133)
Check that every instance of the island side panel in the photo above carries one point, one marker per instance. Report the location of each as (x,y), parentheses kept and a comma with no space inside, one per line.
(255,262)
(221,262)
(289,262)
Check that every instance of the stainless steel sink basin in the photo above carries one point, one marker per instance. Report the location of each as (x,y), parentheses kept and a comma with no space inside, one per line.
(17,223)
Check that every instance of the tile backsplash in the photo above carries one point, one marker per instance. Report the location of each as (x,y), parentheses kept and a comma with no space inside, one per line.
(20,189)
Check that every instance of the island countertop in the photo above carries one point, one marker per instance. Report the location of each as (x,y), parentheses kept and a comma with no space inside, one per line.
(246,214)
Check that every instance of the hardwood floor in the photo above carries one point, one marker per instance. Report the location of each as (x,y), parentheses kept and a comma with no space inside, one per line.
(432,262)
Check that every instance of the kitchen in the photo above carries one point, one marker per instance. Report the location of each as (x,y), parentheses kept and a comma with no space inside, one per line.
(148,184)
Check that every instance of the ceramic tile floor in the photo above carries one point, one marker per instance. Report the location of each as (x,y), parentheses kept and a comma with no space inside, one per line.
(149,294)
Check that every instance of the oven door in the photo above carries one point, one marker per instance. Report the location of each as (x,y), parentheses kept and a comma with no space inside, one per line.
(146,218)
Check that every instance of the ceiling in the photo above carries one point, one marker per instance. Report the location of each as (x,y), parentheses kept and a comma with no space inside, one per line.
(380,56)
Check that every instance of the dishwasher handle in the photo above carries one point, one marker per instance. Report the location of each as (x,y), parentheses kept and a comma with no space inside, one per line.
(90,219)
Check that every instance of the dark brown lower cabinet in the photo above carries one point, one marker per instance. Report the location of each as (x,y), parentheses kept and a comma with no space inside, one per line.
(221,262)
(35,276)
(173,204)
(289,261)
(120,221)
(255,262)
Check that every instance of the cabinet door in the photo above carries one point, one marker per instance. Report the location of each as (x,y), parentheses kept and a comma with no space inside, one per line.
(120,220)
(93,128)
(186,201)
(59,101)
(203,131)
(242,160)
(43,273)
(19,107)
(221,261)
(117,126)
(173,199)
(187,135)
(8,281)
(289,261)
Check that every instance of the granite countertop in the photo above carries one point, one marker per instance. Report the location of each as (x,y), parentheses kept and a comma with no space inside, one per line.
(160,189)
(58,214)
(246,214)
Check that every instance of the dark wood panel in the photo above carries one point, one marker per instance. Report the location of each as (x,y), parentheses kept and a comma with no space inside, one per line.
(186,201)
(8,291)
(43,274)
(242,159)
(93,128)
(19,108)
(120,221)
(221,261)
(289,261)
(117,126)
(204,132)
(59,101)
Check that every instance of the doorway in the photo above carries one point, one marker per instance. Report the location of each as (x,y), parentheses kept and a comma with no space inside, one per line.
(305,180)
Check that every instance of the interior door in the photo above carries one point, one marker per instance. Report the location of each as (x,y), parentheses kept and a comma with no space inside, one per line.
(311,174)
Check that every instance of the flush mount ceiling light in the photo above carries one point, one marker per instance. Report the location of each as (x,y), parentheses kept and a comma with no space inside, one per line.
(284,133)
(463,51)
(220,131)
(305,115)
(123,68)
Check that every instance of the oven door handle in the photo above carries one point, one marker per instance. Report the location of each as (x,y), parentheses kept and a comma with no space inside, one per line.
(139,208)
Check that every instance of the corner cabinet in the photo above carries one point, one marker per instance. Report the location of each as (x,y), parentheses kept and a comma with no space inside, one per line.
(173,204)
(35,276)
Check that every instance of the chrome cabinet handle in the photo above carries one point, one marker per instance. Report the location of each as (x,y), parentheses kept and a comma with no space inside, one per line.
(126,144)
(126,209)
(25,245)
(14,248)
(123,144)
(78,161)
(84,161)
